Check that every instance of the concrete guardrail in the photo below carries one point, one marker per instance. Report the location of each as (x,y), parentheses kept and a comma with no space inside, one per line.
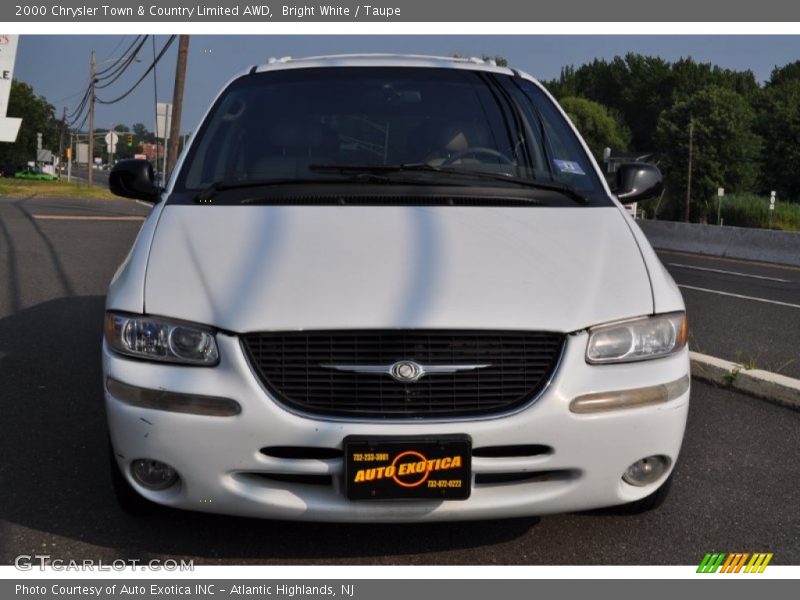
(735,242)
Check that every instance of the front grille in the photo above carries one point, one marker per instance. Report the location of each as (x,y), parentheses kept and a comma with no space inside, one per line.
(289,365)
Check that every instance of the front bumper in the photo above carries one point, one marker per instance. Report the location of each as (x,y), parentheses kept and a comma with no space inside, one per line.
(220,463)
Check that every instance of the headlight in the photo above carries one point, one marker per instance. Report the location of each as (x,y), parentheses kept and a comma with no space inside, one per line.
(638,339)
(158,339)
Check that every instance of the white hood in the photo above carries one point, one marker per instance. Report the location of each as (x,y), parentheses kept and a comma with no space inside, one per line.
(257,268)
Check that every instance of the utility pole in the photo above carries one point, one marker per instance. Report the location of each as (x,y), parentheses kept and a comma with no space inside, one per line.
(177,103)
(69,158)
(92,75)
(61,137)
(689,175)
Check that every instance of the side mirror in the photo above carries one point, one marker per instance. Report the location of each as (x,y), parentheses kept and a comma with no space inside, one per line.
(133,178)
(638,181)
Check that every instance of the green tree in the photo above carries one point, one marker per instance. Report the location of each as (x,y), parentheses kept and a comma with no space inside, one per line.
(779,125)
(142,134)
(781,75)
(598,126)
(38,116)
(725,148)
(689,77)
(638,87)
(641,87)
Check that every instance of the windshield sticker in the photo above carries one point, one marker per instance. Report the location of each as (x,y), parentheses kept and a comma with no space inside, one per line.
(568,166)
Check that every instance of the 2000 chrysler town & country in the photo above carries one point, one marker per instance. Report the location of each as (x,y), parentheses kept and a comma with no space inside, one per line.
(382,288)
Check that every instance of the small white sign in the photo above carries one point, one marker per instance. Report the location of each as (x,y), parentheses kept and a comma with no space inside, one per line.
(163,119)
(720,192)
(111,141)
(772,206)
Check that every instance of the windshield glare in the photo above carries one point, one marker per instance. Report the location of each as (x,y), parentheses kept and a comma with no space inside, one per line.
(280,125)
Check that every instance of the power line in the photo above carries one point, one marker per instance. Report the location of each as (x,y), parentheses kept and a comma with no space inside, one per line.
(113,73)
(145,74)
(78,112)
(119,43)
(118,60)
(70,96)
(80,127)
(81,103)
(116,74)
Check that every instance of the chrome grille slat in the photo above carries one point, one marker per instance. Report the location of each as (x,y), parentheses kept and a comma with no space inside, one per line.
(288,364)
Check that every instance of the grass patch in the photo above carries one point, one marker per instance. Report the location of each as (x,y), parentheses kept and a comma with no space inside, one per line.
(749,210)
(51,189)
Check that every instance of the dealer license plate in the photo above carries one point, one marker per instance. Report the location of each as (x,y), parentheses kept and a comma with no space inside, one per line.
(408,468)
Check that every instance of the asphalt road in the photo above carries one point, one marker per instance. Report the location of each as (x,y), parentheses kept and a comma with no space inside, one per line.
(735,487)
(81,173)
(740,310)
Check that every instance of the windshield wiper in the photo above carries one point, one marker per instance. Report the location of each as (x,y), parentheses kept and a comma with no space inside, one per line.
(220,186)
(208,194)
(562,188)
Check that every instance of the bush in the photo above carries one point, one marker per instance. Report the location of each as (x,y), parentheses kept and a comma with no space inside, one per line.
(750,210)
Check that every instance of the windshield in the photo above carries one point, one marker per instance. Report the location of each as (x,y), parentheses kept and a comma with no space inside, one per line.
(322,123)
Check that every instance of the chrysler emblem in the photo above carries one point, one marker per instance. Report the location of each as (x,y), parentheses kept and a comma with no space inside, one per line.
(405,371)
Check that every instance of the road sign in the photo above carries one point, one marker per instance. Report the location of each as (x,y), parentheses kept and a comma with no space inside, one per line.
(720,192)
(9,126)
(83,153)
(163,119)
(111,140)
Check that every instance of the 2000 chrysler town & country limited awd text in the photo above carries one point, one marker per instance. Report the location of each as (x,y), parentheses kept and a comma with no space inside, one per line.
(386,288)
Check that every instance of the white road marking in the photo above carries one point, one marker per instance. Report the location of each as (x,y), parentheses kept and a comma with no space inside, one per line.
(699,289)
(737,273)
(85,218)
(738,261)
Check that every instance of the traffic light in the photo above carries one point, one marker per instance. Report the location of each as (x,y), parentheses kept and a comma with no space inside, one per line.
(130,140)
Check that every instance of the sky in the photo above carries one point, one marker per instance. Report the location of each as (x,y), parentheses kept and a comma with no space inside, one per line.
(57,66)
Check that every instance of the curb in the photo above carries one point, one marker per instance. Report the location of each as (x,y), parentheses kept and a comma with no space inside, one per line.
(765,385)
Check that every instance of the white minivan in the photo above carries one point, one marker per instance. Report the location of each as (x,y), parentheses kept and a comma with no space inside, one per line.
(391,288)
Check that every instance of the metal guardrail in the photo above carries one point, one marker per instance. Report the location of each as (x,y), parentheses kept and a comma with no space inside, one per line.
(782,247)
